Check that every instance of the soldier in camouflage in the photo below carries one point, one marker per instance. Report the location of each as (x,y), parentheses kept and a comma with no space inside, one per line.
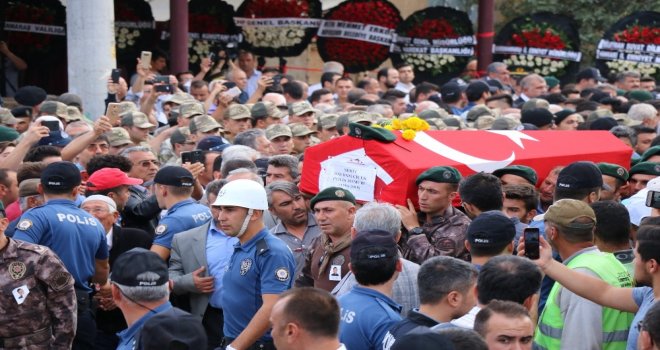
(439,228)
(38,302)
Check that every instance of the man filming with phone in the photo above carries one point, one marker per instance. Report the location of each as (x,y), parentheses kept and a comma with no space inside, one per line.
(569,321)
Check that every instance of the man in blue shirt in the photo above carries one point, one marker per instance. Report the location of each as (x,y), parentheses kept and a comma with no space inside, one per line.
(75,236)
(200,257)
(260,269)
(367,311)
(174,185)
(140,289)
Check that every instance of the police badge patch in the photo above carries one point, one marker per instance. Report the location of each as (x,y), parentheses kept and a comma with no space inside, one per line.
(246,264)
(24,224)
(338,260)
(60,281)
(160,229)
(17,270)
(282,274)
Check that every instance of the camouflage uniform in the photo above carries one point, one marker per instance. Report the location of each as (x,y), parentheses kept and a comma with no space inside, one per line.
(444,235)
(46,318)
(317,274)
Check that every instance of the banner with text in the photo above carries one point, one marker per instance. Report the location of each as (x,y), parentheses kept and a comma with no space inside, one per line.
(538,52)
(34,28)
(462,46)
(613,50)
(357,31)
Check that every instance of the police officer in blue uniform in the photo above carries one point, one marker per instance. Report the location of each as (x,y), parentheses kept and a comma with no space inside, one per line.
(174,185)
(259,270)
(74,235)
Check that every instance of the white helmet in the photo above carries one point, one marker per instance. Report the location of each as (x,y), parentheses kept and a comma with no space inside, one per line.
(243,193)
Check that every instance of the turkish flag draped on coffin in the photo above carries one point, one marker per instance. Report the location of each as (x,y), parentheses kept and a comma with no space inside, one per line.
(386,172)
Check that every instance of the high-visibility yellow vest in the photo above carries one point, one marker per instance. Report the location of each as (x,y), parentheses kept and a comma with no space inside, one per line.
(615,323)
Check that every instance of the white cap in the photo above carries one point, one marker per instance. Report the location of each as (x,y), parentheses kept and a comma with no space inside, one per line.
(654,184)
(112,206)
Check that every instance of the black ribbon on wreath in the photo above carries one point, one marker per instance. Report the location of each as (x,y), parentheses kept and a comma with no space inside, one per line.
(358,34)
(545,43)
(438,42)
(632,43)
(278,28)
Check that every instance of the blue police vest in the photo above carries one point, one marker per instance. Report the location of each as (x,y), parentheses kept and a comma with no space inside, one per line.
(182,216)
(74,235)
(263,265)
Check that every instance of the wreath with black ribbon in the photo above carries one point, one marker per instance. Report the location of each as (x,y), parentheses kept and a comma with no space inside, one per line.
(544,43)
(438,42)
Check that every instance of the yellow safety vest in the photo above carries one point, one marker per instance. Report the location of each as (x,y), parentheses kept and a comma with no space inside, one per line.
(615,323)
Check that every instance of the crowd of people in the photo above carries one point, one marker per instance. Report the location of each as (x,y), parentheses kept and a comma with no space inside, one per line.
(176,221)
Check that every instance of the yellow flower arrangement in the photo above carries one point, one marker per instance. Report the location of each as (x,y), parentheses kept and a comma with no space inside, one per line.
(408,127)
(408,134)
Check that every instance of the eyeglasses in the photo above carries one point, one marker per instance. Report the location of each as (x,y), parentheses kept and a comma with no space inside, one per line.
(283,108)
(190,143)
(146,163)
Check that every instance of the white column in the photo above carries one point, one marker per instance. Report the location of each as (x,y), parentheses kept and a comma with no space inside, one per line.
(91,51)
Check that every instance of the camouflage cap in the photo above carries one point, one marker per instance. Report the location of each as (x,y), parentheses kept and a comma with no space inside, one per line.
(259,110)
(138,119)
(181,98)
(266,109)
(191,109)
(360,117)
(328,121)
(443,174)
(523,171)
(74,113)
(300,129)
(484,122)
(277,130)
(6,117)
(614,170)
(54,108)
(646,168)
(204,123)
(180,135)
(118,137)
(127,107)
(300,108)
(237,112)
(565,211)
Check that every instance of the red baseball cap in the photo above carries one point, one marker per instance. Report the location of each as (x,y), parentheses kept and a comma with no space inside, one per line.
(106,178)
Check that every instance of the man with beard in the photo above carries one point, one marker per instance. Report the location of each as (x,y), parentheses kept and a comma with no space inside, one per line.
(297,227)
(387,78)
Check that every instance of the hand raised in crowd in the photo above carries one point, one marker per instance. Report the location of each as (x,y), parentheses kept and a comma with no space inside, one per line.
(408,215)
(264,82)
(545,252)
(35,132)
(102,125)
(205,65)
(194,168)
(224,100)
(112,87)
(141,70)
(202,284)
